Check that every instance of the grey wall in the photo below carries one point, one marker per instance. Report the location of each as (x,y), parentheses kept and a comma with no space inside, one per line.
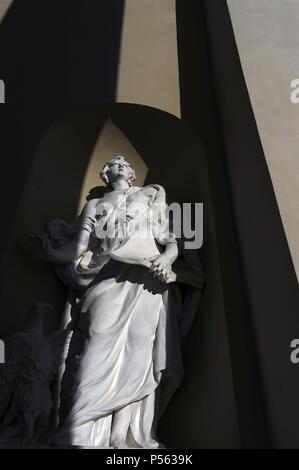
(267,36)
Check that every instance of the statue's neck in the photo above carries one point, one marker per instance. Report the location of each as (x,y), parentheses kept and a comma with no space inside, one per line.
(120,185)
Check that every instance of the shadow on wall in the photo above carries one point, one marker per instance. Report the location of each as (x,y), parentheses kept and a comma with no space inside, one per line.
(65,168)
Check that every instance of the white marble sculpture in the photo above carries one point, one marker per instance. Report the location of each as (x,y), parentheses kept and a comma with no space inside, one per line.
(129,311)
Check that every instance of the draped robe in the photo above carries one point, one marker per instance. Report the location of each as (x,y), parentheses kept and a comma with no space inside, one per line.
(124,353)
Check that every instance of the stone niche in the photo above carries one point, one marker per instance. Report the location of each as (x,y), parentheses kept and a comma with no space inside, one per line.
(64,172)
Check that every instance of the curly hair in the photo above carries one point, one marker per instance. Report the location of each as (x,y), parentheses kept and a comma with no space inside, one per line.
(104,172)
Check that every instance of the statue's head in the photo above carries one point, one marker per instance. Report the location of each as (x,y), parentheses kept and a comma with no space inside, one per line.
(115,169)
(37,311)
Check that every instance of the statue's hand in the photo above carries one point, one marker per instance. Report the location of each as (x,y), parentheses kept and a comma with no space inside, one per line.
(161,267)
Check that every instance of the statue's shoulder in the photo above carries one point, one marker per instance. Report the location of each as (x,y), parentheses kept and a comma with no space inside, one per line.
(90,206)
(153,190)
(93,202)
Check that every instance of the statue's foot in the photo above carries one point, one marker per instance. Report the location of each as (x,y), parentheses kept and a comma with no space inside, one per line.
(119,443)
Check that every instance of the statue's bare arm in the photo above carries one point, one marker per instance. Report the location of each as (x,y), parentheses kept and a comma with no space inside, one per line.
(79,244)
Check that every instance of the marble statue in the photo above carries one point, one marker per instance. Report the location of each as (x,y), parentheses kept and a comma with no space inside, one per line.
(32,363)
(125,270)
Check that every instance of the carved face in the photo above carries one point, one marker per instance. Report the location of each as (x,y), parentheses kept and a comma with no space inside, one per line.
(119,169)
(115,169)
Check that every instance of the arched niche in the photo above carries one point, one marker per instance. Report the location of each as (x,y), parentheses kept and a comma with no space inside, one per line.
(163,150)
